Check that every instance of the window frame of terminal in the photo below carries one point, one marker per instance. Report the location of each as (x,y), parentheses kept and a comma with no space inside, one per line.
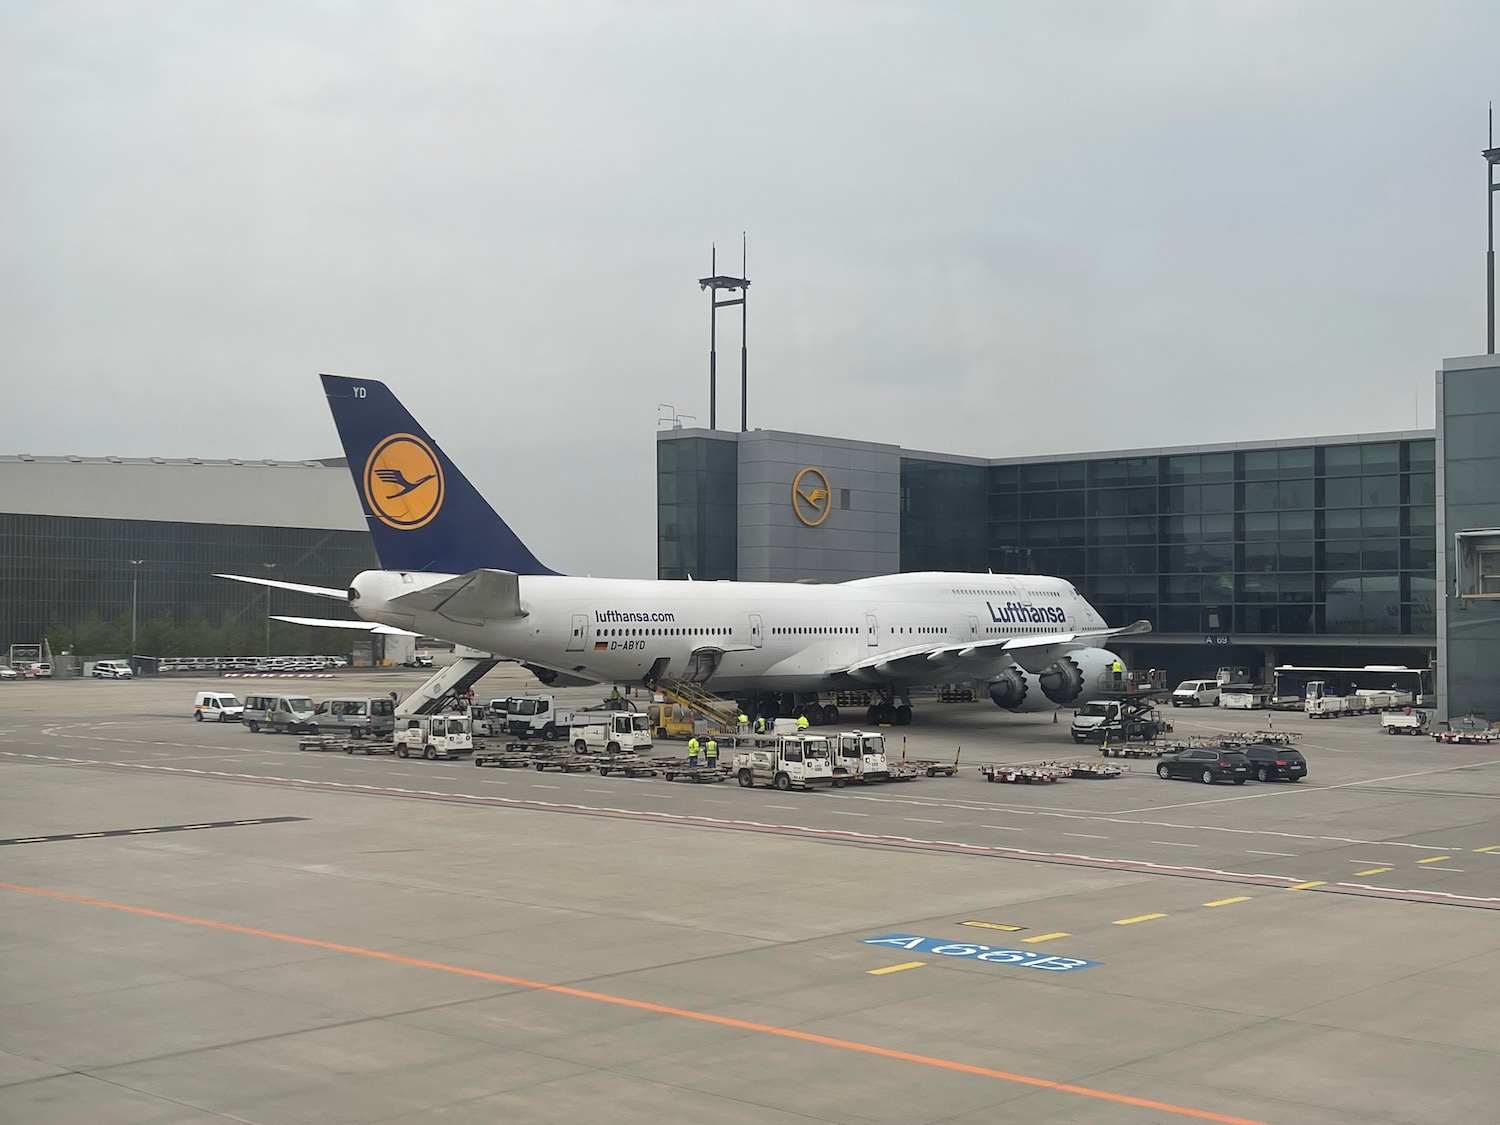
(1476,553)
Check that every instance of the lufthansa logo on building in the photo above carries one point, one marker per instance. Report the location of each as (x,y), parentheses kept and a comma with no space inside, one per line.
(403,482)
(811,498)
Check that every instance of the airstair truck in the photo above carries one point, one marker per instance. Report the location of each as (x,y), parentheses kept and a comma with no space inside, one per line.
(794,762)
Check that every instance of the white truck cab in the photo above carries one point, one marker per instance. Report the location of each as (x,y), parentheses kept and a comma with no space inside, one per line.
(536,716)
(610,731)
(435,736)
(858,756)
(794,762)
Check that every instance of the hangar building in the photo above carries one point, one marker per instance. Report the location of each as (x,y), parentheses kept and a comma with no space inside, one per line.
(81,536)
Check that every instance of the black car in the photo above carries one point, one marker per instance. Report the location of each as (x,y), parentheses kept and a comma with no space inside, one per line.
(1270,762)
(1207,766)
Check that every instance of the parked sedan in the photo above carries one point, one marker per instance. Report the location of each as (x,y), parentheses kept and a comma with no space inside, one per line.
(8,673)
(1270,762)
(1207,766)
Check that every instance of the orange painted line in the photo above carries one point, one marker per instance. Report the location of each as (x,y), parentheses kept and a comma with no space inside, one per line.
(646,1006)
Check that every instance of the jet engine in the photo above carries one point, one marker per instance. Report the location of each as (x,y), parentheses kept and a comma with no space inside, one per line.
(1075,676)
(1016,690)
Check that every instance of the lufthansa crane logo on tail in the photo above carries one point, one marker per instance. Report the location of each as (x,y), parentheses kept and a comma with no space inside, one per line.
(403,482)
(811,498)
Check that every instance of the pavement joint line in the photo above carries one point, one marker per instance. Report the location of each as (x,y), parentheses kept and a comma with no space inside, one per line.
(848,1045)
(1228,901)
(895,968)
(1137,918)
(1419,896)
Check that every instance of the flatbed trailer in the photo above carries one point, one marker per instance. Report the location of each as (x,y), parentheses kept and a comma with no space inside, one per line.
(627,765)
(1467,737)
(929,767)
(1018,775)
(321,742)
(680,769)
(563,762)
(1140,750)
(504,759)
(1084,771)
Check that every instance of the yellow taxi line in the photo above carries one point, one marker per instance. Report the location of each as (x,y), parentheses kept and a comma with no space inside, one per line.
(1435,859)
(895,968)
(1137,918)
(1228,901)
(1372,871)
(1044,937)
(1306,886)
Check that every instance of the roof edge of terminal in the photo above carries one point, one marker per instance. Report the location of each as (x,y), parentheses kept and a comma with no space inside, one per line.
(235,462)
(1084,455)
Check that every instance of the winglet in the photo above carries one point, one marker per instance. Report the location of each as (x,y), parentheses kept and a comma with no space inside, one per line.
(423,513)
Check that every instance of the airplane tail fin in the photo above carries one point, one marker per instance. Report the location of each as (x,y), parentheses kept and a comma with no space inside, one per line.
(423,513)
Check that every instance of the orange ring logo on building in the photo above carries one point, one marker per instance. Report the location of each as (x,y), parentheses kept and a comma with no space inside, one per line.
(403,482)
(813,501)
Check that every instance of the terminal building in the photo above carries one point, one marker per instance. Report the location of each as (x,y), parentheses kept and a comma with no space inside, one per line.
(1338,551)
(92,545)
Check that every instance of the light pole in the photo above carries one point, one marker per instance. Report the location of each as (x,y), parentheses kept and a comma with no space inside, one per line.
(269,567)
(135,576)
(1491,158)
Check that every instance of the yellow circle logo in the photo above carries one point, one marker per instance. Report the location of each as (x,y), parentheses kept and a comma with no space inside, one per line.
(811,498)
(404,482)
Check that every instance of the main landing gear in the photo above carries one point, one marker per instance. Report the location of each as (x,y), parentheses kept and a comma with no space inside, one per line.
(893,710)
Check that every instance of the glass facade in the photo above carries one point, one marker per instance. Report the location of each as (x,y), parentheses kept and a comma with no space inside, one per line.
(697,508)
(942,521)
(59,572)
(1322,539)
(1470,421)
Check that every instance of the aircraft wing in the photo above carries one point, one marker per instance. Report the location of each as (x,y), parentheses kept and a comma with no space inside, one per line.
(295,587)
(363,626)
(922,664)
(472,598)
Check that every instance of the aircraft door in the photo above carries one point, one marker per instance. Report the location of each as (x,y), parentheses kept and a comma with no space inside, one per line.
(757,630)
(973,627)
(579,631)
(872,630)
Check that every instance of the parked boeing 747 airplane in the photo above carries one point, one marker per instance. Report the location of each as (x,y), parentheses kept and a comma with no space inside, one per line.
(454,570)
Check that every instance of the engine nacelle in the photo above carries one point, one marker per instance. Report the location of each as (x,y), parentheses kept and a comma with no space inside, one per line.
(1074,677)
(1017,690)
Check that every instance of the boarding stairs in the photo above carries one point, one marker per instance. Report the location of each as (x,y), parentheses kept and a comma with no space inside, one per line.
(448,687)
(721,713)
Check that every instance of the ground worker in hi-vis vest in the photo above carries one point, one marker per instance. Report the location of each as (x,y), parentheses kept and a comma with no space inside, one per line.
(693,751)
(760,724)
(712,753)
(802,723)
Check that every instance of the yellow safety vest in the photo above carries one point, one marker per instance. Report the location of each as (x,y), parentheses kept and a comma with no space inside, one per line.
(713,748)
(692,748)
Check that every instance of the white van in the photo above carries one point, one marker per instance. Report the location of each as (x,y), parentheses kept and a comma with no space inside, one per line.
(282,713)
(1196,693)
(113,670)
(218,706)
(359,717)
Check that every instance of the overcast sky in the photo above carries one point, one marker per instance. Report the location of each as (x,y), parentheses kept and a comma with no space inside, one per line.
(987,228)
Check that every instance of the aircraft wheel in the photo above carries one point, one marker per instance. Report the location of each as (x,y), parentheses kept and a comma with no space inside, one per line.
(872,715)
(831,715)
(903,716)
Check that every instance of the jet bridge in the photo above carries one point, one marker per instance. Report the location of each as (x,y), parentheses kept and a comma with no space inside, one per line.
(447,687)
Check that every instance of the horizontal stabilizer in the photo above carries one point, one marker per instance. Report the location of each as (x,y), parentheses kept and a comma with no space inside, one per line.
(295,587)
(362,626)
(473,598)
